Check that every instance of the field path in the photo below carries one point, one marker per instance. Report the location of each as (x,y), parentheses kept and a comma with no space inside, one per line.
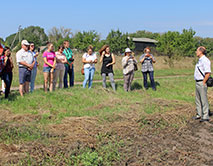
(118,79)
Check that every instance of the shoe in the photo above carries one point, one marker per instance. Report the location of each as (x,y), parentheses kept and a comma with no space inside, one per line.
(204,120)
(196,117)
(154,89)
(210,113)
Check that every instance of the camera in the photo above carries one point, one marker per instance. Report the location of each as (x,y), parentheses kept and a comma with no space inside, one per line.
(71,60)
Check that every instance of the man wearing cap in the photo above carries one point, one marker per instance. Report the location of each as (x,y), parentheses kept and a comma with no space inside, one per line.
(26,63)
(201,75)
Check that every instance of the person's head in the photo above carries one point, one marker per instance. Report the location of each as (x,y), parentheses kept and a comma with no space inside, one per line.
(200,51)
(61,49)
(25,45)
(66,44)
(147,50)
(6,52)
(50,47)
(105,48)
(32,47)
(128,52)
(90,50)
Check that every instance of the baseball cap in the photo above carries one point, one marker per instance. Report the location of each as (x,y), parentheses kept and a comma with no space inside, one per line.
(25,42)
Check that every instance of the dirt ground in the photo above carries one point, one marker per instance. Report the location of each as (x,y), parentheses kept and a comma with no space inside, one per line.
(163,138)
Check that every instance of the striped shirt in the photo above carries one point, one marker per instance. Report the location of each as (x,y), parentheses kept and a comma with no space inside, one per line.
(147,63)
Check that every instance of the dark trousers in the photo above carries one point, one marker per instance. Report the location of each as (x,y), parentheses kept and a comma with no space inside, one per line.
(151,77)
(7,77)
(69,72)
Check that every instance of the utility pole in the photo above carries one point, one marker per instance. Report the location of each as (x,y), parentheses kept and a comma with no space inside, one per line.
(19,32)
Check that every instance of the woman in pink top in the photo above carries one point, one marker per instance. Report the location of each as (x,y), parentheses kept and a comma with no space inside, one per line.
(60,68)
(49,66)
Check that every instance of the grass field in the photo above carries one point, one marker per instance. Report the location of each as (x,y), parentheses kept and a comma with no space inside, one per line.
(101,127)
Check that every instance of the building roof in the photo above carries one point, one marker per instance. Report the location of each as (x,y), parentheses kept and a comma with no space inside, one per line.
(145,40)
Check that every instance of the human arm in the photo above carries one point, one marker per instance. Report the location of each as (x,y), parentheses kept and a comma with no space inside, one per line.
(207,70)
(152,58)
(8,59)
(54,63)
(102,56)
(45,61)
(113,61)
(64,60)
(124,62)
(207,75)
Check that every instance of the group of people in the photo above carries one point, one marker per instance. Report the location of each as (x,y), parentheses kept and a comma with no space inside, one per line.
(129,64)
(58,65)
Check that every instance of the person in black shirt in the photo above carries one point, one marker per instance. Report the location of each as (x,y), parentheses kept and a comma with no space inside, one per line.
(108,60)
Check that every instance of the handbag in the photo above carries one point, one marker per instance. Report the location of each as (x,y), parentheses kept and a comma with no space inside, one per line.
(135,67)
(82,70)
(209,82)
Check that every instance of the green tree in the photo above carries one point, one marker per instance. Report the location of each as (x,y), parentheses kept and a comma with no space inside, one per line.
(145,34)
(118,41)
(82,40)
(55,34)
(1,40)
(206,42)
(187,42)
(34,34)
(177,44)
(168,43)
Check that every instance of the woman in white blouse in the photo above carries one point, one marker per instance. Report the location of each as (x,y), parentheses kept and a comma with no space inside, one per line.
(89,59)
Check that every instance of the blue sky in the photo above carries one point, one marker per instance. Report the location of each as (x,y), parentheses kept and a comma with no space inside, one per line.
(102,16)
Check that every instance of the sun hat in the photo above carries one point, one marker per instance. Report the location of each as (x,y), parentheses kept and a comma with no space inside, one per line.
(127,50)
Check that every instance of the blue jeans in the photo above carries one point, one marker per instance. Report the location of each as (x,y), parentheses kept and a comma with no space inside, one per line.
(71,76)
(151,77)
(7,77)
(33,77)
(89,74)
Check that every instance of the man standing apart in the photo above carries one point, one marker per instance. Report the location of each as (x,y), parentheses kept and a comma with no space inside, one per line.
(69,67)
(26,63)
(201,75)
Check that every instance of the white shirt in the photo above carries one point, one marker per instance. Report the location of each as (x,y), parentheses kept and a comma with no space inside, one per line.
(204,65)
(88,57)
(24,56)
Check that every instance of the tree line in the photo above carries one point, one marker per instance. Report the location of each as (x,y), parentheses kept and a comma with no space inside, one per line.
(172,43)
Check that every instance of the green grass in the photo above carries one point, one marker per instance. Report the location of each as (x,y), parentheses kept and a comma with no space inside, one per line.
(80,102)
(105,105)
(16,133)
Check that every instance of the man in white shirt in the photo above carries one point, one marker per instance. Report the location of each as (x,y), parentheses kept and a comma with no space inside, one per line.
(201,75)
(26,63)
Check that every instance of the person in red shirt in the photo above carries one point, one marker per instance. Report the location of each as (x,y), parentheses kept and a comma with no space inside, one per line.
(7,74)
(1,49)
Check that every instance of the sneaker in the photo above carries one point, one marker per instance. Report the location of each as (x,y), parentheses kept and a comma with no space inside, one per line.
(196,117)
(204,120)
